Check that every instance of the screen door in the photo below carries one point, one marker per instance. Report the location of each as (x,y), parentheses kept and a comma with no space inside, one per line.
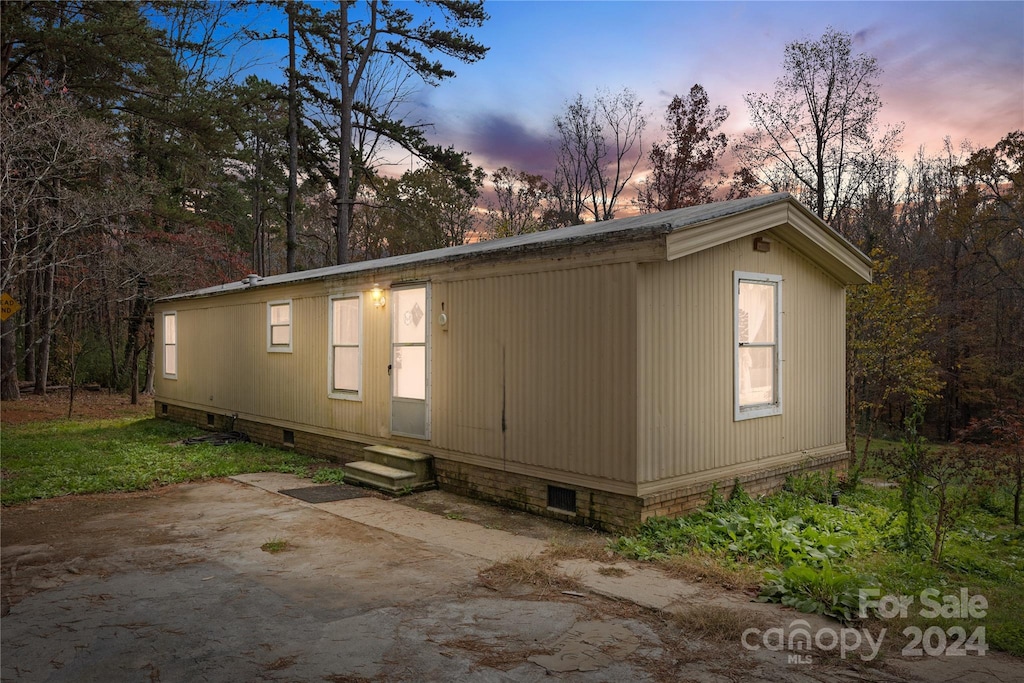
(410,361)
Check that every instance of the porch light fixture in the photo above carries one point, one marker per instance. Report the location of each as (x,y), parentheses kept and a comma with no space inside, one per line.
(377,294)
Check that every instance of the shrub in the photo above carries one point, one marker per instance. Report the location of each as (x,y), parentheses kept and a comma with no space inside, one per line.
(817,590)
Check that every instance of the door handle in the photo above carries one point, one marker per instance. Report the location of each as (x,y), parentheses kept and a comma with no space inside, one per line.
(389,369)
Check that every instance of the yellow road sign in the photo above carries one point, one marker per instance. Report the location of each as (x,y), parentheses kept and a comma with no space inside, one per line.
(8,306)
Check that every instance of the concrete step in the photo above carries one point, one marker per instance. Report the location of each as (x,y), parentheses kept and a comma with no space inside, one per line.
(403,459)
(383,478)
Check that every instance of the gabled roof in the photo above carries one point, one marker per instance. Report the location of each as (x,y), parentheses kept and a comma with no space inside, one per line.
(687,231)
(793,223)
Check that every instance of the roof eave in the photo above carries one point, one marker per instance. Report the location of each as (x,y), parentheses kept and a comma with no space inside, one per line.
(793,223)
(384,269)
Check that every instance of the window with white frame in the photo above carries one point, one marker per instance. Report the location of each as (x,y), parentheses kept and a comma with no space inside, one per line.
(279,326)
(346,359)
(171,345)
(757,304)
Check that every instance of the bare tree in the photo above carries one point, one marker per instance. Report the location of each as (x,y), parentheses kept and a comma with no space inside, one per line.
(521,197)
(424,209)
(291,209)
(57,190)
(683,168)
(819,127)
(599,148)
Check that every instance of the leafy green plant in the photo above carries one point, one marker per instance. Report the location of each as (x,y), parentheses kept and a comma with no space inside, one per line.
(821,555)
(814,485)
(715,499)
(329,475)
(749,532)
(817,590)
(738,495)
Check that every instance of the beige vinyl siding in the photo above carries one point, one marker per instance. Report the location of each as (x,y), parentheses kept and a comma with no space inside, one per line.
(611,369)
(554,350)
(224,364)
(685,363)
(557,348)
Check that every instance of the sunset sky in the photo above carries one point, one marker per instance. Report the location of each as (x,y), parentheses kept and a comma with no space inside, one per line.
(950,68)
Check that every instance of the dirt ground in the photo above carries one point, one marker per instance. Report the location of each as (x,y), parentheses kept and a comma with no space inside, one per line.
(89,404)
(175,585)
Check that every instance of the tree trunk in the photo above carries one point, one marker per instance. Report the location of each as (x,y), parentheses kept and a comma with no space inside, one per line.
(135,322)
(135,375)
(75,355)
(260,254)
(8,340)
(30,329)
(345,144)
(45,328)
(291,239)
(9,360)
(149,390)
(940,525)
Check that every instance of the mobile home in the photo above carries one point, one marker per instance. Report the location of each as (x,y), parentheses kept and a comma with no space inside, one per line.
(601,373)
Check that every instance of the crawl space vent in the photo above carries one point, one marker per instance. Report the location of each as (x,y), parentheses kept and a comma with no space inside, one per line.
(562,499)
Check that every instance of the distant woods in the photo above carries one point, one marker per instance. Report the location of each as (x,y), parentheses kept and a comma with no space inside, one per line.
(141,158)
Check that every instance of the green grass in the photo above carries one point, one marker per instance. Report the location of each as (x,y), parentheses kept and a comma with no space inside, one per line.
(58,458)
(873,466)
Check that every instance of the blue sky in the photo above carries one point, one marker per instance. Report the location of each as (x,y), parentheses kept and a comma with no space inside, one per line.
(949,68)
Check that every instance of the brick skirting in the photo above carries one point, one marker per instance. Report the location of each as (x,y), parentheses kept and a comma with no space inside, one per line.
(614,512)
(307,443)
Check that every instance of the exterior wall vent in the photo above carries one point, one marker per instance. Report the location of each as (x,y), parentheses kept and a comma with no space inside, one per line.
(563,500)
(163,408)
(209,419)
(288,438)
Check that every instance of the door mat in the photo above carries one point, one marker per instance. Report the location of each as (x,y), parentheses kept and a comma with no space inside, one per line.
(325,494)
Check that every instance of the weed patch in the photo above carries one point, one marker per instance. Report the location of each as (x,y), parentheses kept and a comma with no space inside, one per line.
(802,551)
(276,545)
(329,475)
(718,625)
(704,567)
(534,570)
(617,572)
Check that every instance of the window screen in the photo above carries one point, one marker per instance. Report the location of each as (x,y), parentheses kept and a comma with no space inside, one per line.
(170,345)
(757,344)
(280,325)
(346,354)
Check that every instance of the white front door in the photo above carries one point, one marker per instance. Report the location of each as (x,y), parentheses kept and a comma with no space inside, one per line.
(410,361)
